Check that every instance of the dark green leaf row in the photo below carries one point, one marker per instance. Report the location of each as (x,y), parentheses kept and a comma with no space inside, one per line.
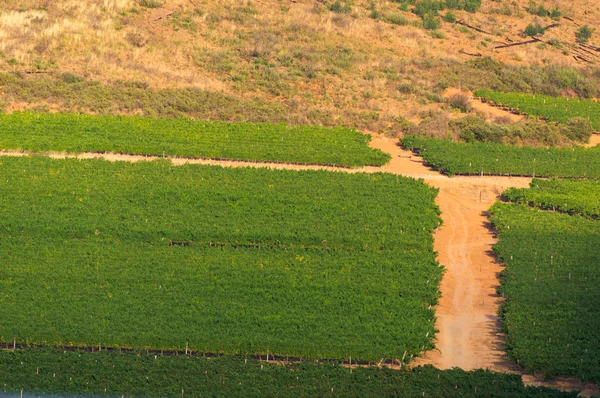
(155,202)
(130,374)
(559,109)
(452,157)
(315,304)
(86,260)
(187,138)
(552,309)
(569,196)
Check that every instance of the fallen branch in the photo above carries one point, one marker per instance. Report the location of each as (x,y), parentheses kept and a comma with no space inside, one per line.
(521,43)
(471,54)
(581,48)
(571,19)
(463,23)
(581,58)
(554,25)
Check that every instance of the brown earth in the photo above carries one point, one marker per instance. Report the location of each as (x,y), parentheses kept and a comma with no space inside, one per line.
(469,334)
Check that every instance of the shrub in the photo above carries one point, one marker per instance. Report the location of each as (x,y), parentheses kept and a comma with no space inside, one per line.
(151,3)
(460,102)
(396,19)
(584,34)
(341,6)
(577,129)
(450,17)
(431,21)
(534,30)
(70,78)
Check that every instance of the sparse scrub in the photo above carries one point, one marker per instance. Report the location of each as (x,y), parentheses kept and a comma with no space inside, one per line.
(460,101)
(396,19)
(151,3)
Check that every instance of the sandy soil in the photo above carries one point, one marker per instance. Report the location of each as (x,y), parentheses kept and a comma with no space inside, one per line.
(467,320)
(594,140)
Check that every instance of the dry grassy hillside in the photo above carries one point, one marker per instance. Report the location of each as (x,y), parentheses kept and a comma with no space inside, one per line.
(366,64)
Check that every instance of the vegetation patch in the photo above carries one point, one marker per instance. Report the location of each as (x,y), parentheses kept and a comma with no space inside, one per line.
(452,157)
(551,288)
(559,109)
(573,197)
(187,138)
(248,261)
(55,371)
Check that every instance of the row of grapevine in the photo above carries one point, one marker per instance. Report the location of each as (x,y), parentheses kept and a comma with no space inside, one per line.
(574,197)
(479,158)
(306,264)
(559,109)
(161,376)
(552,309)
(187,138)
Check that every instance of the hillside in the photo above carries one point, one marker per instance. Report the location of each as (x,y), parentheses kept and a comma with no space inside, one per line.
(370,65)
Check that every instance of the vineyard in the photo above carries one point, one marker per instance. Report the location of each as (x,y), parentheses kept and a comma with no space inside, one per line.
(558,109)
(478,158)
(550,284)
(244,261)
(187,138)
(574,197)
(162,376)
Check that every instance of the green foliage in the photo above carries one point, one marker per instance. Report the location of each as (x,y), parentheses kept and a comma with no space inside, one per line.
(475,128)
(396,19)
(450,17)
(559,109)
(431,21)
(308,264)
(584,34)
(534,29)
(187,138)
(424,7)
(151,3)
(552,80)
(498,159)
(102,373)
(341,6)
(555,14)
(569,196)
(131,97)
(552,308)
(71,78)
(541,11)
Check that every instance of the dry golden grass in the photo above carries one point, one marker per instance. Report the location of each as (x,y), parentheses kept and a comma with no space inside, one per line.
(296,53)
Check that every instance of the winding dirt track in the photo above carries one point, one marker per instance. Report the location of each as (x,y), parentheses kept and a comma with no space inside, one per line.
(469,336)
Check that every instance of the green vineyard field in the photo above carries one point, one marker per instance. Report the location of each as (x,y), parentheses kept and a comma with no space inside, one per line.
(498,159)
(559,109)
(574,197)
(552,309)
(247,261)
(187,138)
(162,376)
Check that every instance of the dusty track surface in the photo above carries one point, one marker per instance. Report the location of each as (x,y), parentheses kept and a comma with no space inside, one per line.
(467,320)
